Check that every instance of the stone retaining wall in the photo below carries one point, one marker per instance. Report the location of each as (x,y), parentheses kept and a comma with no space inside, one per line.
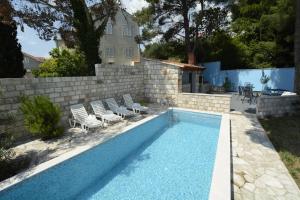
(277,106)
(152,80)
(110,81)
(205,102)
(161,80)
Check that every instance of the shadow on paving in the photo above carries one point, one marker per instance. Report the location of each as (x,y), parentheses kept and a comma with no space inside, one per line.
(237,105)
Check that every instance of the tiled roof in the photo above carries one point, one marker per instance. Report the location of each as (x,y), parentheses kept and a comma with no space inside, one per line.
(185,66)
(38,59)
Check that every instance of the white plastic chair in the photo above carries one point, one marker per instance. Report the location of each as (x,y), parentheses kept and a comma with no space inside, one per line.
(81,117)
(136,107)
(103,114)
(119,110)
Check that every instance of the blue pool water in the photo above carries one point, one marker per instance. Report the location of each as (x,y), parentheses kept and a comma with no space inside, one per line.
(169,157)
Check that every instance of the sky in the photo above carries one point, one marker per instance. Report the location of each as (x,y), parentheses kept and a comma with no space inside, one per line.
(33,45)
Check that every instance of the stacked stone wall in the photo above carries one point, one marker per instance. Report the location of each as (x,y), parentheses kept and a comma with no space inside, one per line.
(161,80)
(110,81)
(153,81)
(204,102)
(277,106)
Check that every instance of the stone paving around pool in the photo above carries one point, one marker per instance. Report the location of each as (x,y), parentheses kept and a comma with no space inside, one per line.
(258,172)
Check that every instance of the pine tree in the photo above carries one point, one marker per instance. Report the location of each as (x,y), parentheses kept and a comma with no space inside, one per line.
(11,57)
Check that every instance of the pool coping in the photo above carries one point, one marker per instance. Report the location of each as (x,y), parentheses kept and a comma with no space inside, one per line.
(221,179)
(221,173)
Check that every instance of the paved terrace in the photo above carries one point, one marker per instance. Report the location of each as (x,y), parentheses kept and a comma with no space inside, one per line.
(258,172)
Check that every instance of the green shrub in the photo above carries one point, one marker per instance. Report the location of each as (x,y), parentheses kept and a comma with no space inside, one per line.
(227,84)
(41,117)
(63,62)
(6,138)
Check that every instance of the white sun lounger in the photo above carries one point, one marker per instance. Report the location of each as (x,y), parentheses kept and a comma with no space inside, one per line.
(119,110)
(103,114)
(136,107)
(81,117)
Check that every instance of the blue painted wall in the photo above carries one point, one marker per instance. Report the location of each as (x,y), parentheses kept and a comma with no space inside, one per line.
(281,78)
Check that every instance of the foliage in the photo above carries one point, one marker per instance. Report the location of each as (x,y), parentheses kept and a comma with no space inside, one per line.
(6,121)
(6,137)
(177,19)
(220,46)
(5,144)
(63,62)
(264,28)
(264,79)
(166,51)
(227,84)
(211,20)
(9,164)
(79,22)
(144,102)
(260,33)
(11,57)
(88,37)
(41,117)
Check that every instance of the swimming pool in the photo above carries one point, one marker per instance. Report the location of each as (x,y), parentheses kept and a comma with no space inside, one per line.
(171,156)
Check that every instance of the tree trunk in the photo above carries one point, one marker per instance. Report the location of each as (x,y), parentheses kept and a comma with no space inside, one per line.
(297,49)
(5,12)
(186,26)
(196,40)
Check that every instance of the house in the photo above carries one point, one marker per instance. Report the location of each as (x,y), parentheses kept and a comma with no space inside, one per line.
(118,45)
(191,76)
(31,62)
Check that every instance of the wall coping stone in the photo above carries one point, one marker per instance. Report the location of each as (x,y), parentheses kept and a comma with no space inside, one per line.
(203,94)
(280,97)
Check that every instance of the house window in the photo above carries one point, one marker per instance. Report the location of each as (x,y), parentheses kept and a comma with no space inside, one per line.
(110,52)
(127,31)
(129,52)
(26,60)
(133,30)
(109,28)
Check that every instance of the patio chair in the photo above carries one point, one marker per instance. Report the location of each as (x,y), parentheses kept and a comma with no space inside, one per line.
(105,115)
(136,107)
(241,90)
(248,93)
(81,117)
(119,110)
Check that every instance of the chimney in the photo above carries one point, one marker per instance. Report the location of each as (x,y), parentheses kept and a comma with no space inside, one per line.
(191,58)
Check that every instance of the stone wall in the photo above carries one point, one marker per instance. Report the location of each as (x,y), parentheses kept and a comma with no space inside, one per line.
(205,102)
(110,81)
(277,106)
(152,80)
(161,80)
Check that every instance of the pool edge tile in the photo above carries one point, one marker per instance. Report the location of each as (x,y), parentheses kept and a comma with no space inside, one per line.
(221,180)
